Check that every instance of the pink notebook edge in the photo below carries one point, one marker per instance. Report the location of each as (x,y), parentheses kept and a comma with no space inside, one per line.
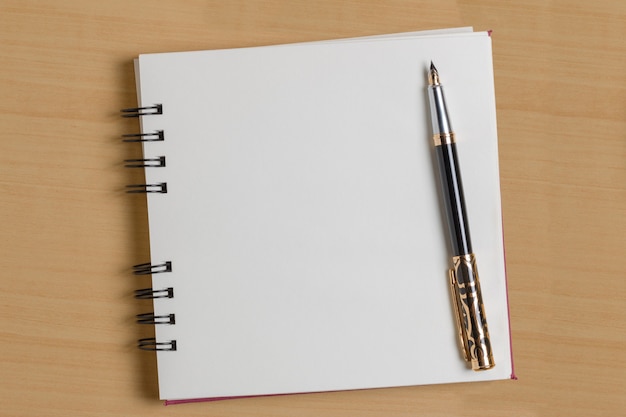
(508,306)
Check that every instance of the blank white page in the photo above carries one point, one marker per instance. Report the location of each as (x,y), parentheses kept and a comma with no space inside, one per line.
(303,220)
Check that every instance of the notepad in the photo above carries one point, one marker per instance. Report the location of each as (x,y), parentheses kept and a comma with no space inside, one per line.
(297,239)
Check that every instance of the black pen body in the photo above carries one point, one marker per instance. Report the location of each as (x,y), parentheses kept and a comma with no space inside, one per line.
(453,199)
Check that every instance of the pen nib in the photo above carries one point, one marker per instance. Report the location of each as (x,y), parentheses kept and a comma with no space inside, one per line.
(433,75)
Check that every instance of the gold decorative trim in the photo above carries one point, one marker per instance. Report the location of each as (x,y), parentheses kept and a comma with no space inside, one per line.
(469,311)
(443,139)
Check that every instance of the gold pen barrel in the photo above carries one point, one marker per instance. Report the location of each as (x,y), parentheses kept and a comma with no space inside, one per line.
(470,313)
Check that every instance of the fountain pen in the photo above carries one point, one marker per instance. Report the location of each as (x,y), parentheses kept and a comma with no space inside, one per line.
(463,276)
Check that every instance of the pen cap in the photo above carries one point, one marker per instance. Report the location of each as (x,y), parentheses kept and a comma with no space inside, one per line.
(470,313)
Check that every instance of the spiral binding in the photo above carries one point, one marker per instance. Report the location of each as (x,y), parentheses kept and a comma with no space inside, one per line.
(148,268)
(151,318)
(156,136)
(142,111)
(145,162)
(150,293)
(147,188)
(151,344)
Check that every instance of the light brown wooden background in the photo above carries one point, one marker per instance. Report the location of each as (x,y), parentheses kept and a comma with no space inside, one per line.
(69,233)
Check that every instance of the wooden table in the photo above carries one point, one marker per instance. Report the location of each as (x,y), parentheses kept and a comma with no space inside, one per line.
(69,233)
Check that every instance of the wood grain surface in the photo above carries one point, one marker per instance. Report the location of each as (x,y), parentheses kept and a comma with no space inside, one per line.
(70,233)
